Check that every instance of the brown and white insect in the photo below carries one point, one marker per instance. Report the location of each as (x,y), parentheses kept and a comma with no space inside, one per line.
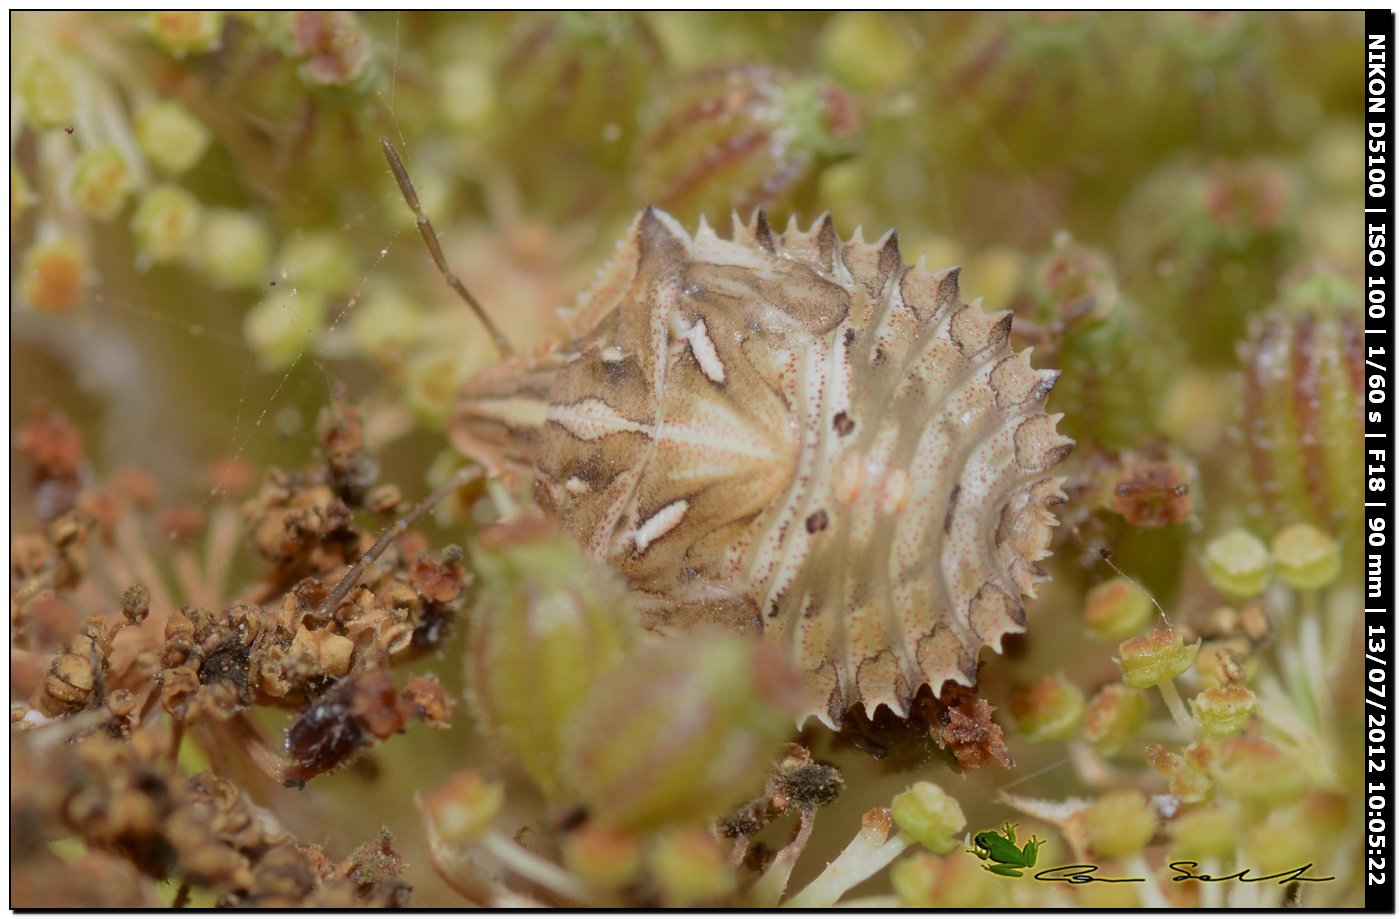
(793,435)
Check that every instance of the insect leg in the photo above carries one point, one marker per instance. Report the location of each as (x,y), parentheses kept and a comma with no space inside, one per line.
(425,227)
(347,583)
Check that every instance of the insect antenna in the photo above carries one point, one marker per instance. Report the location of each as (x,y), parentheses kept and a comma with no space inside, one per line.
(425,227)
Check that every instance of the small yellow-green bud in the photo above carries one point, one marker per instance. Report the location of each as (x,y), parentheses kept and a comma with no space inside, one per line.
(690,867)
(548,625)
(682,732)
(1119,824)
(434,376)
(605,858)
(1117,609)
(21,195)
(1189,775)
(1306,557)
(1253,770)
(166,223)
(52,275)
(170,137)
(461,810)
(318,261)
(1113,717)
(1211,831)
(927,881)
(235,248)
(467,96)
(283,325)
(183,32)
(867,50)
(46,85)
(1047,710)
(1148,660)
(1225,662)
(927,814)
(1282,842)
(1223,710)
(102,182)
(385,324)
(1237,564)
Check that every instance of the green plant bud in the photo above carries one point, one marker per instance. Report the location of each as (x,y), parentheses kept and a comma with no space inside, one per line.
(101,182)
(21,195)
(1225,662)
(926,881)
(385,325)
(318,260)
(1073,284)
(235,249)
(1113,717)
(1159,657)
(927,814)
(1048,709)
(606,858)
(283,325)
(1253,770)
(467,96)
(1223,711)
(736,138)
(1281,842)
(166,223)
(690,867)
(185,32)
(1301,414)
(1205,832)
(1119,824)
(548,625)
(1188,774)
(1306,557)
(462,809)
(46,85)
(1117,609)
(1237,564)
(434,376)
(1318,289)
(170,136)
(53,274)
(682,732)
(868,51)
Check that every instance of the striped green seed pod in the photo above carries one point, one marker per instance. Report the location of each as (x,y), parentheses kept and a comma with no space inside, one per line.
(548,624)
(682,732)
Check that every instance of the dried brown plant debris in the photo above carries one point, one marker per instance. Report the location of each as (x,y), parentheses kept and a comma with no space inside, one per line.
(129,640)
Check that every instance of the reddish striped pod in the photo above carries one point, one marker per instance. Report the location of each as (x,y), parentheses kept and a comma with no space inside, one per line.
(742,137)
(1303,380)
